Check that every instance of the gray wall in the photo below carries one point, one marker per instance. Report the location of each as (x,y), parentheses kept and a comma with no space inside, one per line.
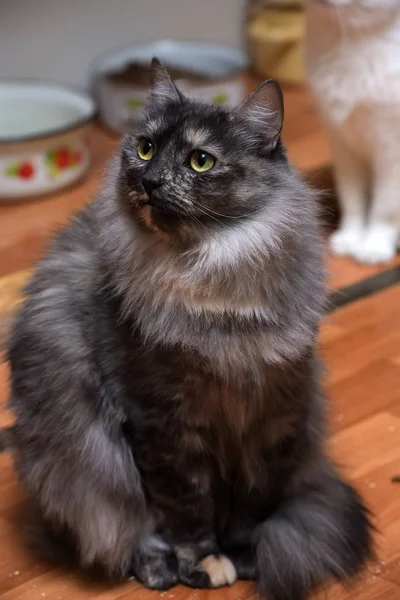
(57,38)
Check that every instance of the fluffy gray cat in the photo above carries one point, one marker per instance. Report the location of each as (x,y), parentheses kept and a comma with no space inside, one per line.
(164,376)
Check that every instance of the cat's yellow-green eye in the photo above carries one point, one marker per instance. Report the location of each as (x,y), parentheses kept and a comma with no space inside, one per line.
(145,149)
(201,161)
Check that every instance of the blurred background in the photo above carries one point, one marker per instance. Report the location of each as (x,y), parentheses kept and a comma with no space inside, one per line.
(57,40)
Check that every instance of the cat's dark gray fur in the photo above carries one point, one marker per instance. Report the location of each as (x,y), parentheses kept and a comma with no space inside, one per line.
(164,374)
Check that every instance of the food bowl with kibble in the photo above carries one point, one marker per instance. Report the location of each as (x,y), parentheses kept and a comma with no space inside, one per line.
(43,137)
(120,78)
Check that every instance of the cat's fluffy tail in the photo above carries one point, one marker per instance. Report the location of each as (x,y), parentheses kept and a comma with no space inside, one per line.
(322,534)
(7,439)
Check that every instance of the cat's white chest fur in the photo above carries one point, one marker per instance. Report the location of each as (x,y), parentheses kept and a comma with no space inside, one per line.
(354,74)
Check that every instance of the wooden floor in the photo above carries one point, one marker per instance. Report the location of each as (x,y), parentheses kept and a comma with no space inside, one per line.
(361,346)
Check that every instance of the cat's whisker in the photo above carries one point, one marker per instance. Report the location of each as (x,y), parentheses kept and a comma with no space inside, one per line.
(204,212)
(198,222)
(316,175)
(214,212)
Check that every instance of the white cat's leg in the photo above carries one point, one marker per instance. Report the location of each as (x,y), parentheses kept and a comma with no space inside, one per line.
(352,188)
(379,245)
(382,235)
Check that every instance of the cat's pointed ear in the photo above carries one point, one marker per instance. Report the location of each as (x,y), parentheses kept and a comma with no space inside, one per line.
(162,88)
(264,110)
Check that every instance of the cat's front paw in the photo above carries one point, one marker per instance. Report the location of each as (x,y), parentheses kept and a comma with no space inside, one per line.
(155,568)
(220,570)
(211,572)
(346,241)
(379,245)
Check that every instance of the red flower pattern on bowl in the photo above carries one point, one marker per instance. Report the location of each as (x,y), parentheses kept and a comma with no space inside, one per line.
(26,170)
(23,170)
(62,158)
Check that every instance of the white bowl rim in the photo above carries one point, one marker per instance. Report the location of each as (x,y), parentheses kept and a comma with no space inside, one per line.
(108,59)
(70,89)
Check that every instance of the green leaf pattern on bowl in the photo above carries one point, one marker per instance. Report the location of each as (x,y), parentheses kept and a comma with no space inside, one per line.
(133,103)
(11,170)
(220,98)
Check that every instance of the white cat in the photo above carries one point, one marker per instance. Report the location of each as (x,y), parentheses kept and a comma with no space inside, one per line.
(353,63)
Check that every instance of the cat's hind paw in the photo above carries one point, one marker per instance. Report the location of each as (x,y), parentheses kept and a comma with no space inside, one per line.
(346,241)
